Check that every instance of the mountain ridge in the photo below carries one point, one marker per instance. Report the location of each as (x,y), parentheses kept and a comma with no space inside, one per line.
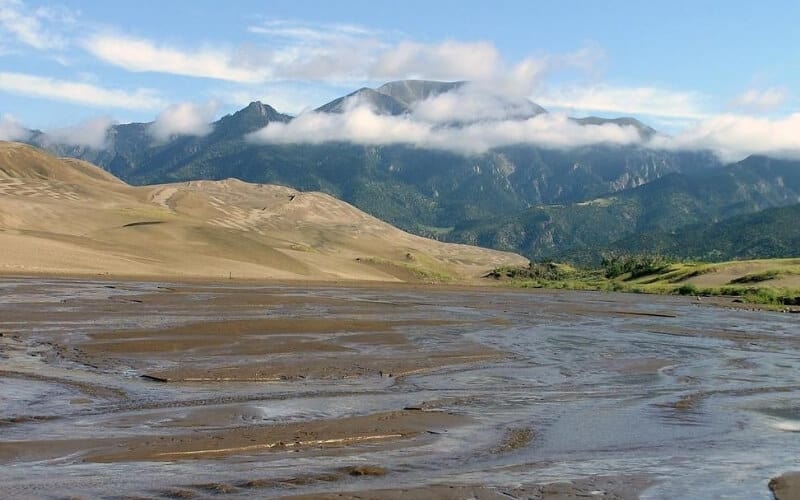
(502,198)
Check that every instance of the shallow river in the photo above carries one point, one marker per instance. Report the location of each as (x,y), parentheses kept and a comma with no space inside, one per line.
(701,401)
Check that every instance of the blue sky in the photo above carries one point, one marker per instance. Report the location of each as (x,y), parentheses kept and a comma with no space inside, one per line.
(675,64)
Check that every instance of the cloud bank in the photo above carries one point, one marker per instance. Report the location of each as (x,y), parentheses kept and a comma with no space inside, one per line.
(183,119)
(472,120)
(11,129)
(473,103)
(91,133)
(734,137)
(362,126)
(630,100)
(755,100)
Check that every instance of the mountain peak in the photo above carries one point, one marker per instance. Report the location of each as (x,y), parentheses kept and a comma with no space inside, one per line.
(254,116)
(379,102)
(410,92)
(260,108)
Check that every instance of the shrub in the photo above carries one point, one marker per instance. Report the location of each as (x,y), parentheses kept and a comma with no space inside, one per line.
(636,265)
(687,289)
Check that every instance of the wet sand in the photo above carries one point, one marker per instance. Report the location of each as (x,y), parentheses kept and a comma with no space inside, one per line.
(190,390)
(617,488)
(242,440)
(786,487)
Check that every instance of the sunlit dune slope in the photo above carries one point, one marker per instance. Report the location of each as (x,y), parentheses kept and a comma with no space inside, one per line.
(63,216)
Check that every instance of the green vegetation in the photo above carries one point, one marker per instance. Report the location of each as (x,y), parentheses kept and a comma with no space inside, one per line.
(634,266)
(571,205)
(778,284)
(416,269)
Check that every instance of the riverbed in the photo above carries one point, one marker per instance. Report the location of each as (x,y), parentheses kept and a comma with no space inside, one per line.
(156,390)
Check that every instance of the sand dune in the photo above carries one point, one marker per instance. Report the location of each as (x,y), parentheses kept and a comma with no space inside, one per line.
(63,216)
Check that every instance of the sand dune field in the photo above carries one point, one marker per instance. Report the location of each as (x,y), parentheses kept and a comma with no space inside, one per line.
(68,217)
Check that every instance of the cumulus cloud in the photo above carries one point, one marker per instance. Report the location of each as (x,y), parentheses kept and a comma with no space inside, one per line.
(29,26)
(652,101)
(11,129)
(362,126)
(185,118)
(734,137)
(91,133)
(761,100)
(78,92)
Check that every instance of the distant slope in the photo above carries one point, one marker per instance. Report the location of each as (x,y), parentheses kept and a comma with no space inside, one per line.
(770,233)
(70,217)
(393,98)
(401,97)
(582,231)
(424,191)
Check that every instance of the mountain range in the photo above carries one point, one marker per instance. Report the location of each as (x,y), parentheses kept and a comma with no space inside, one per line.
(562,203)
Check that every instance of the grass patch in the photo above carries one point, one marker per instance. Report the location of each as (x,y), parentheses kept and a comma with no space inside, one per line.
(414,269)
(655,277)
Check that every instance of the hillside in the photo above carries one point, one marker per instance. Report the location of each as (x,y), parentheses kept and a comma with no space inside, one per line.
(69,217)
(424,191)
(770,233)
(581,231)
(571,203)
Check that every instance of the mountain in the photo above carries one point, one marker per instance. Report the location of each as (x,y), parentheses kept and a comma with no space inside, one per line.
(424,191)
(543,202)
(401,97)
(66,216)
(769,233)
(132,153)
(582,231)
(410,92)
(393,98)
(379,103)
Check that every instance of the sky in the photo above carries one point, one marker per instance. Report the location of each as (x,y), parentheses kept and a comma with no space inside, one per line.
(716,74)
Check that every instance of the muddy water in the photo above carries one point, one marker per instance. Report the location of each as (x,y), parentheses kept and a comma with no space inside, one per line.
(538,387)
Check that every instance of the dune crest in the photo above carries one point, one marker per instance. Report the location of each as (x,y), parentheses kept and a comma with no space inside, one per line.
(64,216)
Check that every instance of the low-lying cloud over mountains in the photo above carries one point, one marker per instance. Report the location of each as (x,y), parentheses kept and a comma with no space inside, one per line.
(463,117)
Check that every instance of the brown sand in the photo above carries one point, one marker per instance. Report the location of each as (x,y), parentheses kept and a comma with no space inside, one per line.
(786,487)
(66,217)
(375,428)
(618,488)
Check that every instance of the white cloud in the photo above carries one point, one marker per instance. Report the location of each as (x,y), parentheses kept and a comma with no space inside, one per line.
(449,60)
(11,129)
(473,103)
(734,137)
(291,31)
(761,100)
(183,119)
(651,101)
(78,92)
(362,126)
(140,55)
(28,26)
(333,53)
(91,133)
